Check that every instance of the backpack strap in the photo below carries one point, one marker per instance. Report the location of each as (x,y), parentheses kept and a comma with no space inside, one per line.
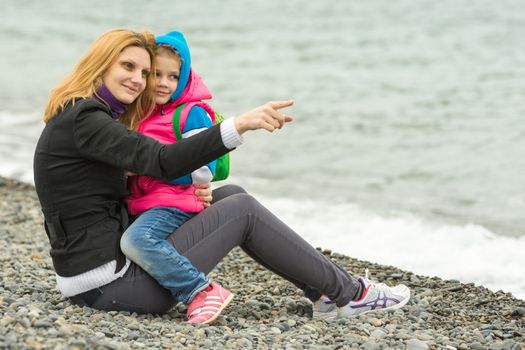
(181,114)
(222,170)
(176,122)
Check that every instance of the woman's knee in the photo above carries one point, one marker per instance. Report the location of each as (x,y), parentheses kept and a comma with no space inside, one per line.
(233,189)
(227,191)
(246,201)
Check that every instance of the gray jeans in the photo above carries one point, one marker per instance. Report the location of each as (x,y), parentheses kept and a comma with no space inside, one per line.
(234,219)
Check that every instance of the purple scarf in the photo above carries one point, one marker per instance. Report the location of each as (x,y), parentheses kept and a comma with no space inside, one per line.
(105,96)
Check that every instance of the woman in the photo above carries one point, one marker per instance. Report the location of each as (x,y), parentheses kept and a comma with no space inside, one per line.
(79,166)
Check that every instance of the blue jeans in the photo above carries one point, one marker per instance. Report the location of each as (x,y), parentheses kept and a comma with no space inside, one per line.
(144,242)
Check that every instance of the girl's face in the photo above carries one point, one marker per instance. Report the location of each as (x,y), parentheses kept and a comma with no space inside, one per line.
(166,77)
(126,78)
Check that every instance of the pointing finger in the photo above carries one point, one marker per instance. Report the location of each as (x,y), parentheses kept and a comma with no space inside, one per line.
(280,104)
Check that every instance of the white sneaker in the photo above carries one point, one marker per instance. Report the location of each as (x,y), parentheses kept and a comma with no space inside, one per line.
(376,297)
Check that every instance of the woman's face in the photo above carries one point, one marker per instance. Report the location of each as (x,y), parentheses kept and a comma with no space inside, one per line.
(166,77)
(126,78)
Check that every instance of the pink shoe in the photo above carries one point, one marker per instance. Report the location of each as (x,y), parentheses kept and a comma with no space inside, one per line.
(208,304)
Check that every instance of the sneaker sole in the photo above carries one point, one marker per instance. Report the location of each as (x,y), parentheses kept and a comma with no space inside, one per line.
(227,302)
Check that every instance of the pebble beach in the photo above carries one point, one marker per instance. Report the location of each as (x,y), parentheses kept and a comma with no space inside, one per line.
(266,313)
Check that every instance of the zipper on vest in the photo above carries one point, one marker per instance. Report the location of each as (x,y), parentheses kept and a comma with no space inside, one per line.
(162,111)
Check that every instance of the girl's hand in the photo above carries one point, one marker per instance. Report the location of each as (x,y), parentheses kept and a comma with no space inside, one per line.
(204,193)
(265,117)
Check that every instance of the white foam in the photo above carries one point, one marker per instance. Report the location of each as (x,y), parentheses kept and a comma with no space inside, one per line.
(18,137)
(467,253)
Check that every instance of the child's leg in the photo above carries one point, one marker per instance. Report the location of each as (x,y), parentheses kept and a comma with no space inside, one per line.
(144,242)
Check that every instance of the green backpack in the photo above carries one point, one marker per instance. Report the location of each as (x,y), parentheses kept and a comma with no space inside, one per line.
(222,169)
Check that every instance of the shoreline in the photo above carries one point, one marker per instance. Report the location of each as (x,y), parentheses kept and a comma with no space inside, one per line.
(267,311)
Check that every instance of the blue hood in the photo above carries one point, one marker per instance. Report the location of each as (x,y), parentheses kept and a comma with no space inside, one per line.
(177,41)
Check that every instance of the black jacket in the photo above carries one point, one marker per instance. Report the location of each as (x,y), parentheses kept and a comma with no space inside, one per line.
(79,165)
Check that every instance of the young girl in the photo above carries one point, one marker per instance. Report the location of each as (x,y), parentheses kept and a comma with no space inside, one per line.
(163,206)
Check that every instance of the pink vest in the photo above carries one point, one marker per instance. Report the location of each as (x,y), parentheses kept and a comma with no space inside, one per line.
(149,192)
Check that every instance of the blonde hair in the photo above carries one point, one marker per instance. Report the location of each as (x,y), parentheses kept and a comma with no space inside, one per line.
(86,77)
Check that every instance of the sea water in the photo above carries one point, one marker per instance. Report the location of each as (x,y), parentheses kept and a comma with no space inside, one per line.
(408,142)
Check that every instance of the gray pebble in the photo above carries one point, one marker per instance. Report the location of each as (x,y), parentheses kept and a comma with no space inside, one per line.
(42,324)
(24,321)
(518,312)
(416,344)
(369,345)
(378,334)
(477,346)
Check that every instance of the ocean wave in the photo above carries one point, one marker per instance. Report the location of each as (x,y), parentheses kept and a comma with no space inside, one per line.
(468,253)
(19,135)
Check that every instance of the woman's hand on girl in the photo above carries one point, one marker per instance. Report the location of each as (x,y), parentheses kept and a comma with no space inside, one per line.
(265,117)
(204,193)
